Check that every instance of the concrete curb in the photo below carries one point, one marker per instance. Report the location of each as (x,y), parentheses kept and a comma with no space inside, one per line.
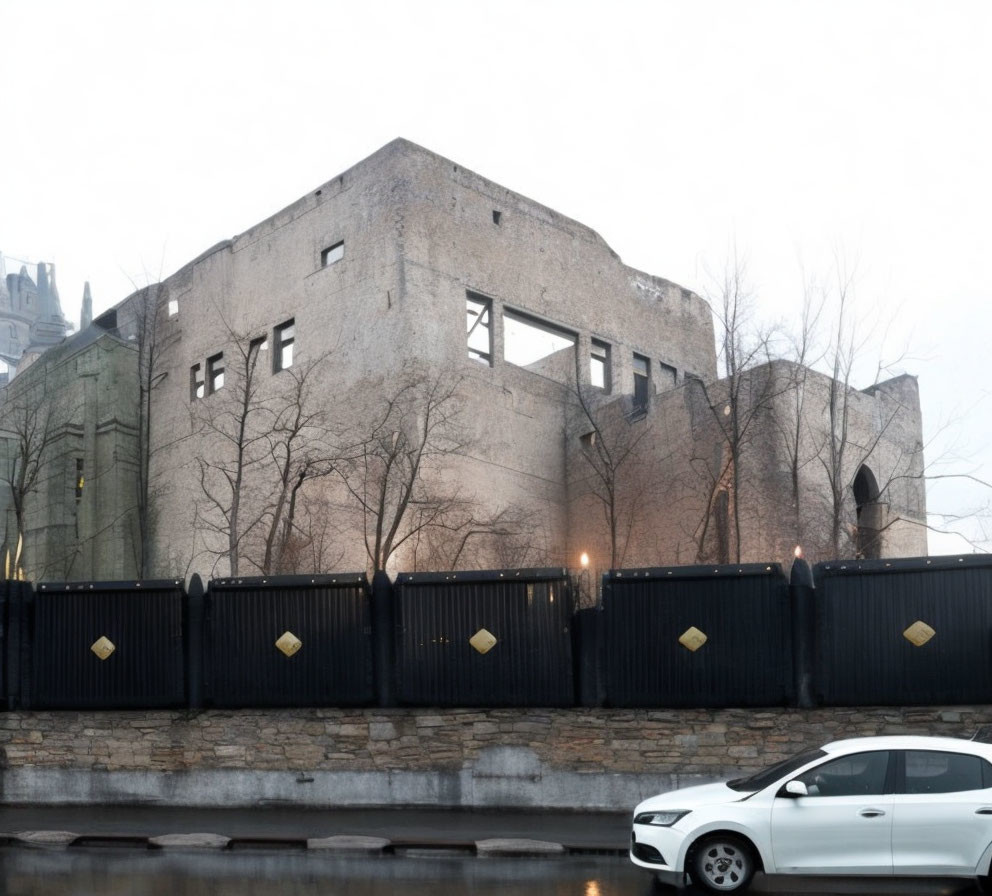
(347,844)
(190,841)
(341,844)
(50,839)
(504,846)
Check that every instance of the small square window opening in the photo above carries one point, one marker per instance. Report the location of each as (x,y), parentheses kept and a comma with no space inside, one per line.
(332,254)
(173,307)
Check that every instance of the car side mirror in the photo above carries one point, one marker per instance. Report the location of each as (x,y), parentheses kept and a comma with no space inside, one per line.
(796,788)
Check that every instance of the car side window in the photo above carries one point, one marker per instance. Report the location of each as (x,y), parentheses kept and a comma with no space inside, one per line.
(861,774)
(931,771)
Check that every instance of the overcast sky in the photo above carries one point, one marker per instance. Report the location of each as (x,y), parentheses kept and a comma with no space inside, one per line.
(137,135)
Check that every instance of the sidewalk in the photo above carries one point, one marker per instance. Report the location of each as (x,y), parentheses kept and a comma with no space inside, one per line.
(393,830)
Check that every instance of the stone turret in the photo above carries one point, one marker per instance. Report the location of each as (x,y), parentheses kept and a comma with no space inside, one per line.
(31,318)
(49,326)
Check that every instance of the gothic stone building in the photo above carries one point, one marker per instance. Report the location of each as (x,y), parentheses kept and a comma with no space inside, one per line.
(409,302)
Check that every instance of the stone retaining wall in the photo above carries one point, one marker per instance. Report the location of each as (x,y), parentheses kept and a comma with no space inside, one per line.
(464,757)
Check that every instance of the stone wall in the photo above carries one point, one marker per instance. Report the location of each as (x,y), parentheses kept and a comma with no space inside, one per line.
(565,758)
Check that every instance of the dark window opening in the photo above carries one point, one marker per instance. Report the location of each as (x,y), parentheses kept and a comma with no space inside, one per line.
(332,254)
(283,339)
(868,536)
(80,482)
(642,381)
(479,328)
(196,384)
(215,373)
(496,216)
(599,365)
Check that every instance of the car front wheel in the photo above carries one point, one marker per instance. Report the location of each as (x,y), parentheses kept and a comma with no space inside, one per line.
(722,864)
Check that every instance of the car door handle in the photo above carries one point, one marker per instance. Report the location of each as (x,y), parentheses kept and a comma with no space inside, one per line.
(985,810)
(871,813)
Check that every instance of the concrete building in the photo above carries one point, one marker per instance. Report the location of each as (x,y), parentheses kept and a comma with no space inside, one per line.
(409,315)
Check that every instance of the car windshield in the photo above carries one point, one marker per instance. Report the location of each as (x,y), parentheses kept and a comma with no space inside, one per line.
(760,780)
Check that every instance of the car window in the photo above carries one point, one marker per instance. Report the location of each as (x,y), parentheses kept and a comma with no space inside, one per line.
(931,771)
(761,780)
(861,774)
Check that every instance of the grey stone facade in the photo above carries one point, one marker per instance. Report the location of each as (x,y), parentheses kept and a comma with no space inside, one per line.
(72,414)
(406,270)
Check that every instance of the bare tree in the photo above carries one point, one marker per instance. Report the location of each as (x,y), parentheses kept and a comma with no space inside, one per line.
(390,469)
(147,307)
(744,394)
(468,536)
(611,450)
(33,418)
(791,417)
(299,451)
(233,424)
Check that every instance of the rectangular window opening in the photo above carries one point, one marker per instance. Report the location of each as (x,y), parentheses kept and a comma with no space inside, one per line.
(599,365)
(196,385)
(479,328)
(215,373)
(539,347)
(642,382)
(332,254)
(283,339)
(669,376)
(173,307)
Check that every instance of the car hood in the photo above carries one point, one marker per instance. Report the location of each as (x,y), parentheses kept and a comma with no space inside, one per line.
(692,798)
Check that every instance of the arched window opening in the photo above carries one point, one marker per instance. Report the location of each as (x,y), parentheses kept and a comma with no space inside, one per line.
(868,536)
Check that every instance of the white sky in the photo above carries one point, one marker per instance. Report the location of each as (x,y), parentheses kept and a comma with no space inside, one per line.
(136,135)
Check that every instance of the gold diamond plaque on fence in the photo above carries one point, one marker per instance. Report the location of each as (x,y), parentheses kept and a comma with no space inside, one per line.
(692,639)
(103,647)
(483,641)
(918,633)
(288,643)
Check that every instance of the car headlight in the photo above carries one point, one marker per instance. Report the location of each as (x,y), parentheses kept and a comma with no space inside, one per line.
(662,819)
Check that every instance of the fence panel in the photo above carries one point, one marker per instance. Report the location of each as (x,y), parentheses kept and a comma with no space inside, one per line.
(323,659)
(738,619)
(864,617)
(520,621)
(108,645)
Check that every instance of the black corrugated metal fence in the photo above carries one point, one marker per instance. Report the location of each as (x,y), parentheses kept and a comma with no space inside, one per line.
(910,632)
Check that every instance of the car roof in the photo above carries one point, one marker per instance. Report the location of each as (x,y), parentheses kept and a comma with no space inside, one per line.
(908,742)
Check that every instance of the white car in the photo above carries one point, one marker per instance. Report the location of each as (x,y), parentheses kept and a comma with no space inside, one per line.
(905,806)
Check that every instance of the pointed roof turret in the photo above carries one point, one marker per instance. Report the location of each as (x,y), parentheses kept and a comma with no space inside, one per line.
(86,318)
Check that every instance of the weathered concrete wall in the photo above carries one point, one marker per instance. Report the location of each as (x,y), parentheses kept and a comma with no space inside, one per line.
(419,232)
(589,758)
(676,460)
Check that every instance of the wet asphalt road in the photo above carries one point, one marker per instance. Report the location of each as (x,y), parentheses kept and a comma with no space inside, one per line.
(130,872)
(432,859)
